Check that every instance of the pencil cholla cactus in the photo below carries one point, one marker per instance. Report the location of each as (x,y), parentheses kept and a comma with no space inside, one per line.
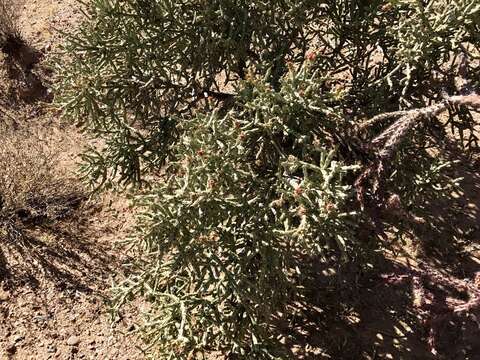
(238,119)
(249,194)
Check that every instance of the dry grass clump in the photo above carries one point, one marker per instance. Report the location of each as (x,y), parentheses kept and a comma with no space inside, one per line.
(33,187)
(9,11)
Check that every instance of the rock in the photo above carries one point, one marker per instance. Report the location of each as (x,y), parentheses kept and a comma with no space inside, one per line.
(296,350)
(73,341)
(4,296)
(51,349)
(18,338)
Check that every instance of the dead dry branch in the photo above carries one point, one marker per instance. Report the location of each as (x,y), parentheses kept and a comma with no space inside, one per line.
(385,145)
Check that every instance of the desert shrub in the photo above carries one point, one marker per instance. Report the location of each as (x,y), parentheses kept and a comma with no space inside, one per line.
(240,128)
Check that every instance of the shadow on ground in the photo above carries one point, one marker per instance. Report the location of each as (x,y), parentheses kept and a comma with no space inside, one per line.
(63,253)
(24,74)
(420,302)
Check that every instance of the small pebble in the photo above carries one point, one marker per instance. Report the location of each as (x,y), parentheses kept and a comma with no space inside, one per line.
(73,341)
